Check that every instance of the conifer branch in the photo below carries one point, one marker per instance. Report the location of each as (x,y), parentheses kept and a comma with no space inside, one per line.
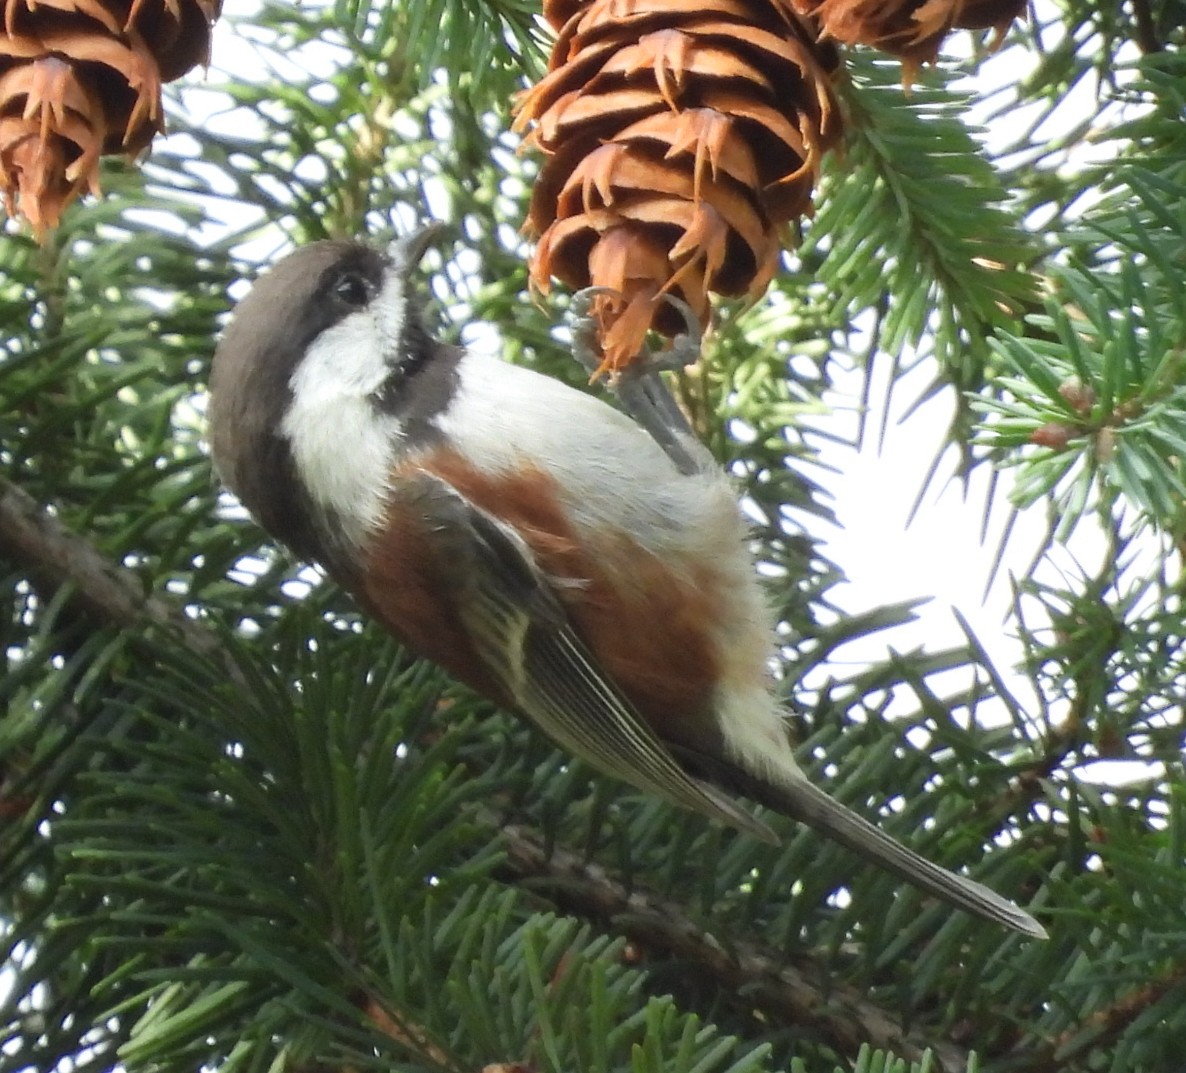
(1147,37)
(802,993)
(32,537)
(799,993)
(1102,1027)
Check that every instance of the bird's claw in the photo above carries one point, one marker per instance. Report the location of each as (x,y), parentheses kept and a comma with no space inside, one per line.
(684,350)
(639,387)
(586,346)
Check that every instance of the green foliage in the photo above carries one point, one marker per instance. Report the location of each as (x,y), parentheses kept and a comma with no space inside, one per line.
(914,207)
(247,833)
(1097,383)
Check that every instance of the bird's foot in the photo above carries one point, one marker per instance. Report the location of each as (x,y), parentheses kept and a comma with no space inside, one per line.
(639,387)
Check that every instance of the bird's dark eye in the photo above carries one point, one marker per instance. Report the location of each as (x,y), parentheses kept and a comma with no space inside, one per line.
(352,289)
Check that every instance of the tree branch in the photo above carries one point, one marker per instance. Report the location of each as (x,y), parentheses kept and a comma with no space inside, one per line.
(33,538)
(800,993)
(1102,1027)
(1146,30)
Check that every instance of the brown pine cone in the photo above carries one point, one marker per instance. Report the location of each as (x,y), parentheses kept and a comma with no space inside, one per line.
(912,30)
(678,140)
(81,78)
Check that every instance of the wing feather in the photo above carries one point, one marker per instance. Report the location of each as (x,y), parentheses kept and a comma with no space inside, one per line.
(524,636)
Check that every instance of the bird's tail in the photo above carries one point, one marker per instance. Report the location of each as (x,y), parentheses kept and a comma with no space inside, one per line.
(806,802)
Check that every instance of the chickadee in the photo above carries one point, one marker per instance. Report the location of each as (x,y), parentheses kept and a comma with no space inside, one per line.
(527,537)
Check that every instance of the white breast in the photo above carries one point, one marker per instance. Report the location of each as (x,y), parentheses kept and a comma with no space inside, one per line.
(612,472)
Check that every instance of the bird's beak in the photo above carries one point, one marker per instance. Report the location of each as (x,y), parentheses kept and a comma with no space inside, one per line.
(405,252)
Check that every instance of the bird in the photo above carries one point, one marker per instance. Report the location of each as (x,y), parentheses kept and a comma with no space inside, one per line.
(531,539)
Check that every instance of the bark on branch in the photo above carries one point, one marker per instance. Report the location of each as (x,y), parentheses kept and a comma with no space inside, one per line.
(33,538)
(800,994)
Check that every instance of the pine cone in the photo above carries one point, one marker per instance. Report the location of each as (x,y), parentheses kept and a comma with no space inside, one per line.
(80,78)
(679,138)
(912,30)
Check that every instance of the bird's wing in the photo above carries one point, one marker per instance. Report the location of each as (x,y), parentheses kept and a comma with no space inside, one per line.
(524,636)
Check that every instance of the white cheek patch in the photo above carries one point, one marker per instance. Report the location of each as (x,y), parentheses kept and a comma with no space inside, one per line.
(342,445)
